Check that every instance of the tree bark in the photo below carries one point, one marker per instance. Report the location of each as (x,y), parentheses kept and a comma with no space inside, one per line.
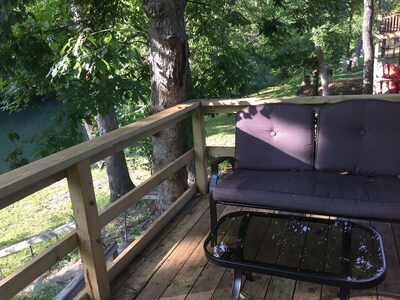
(322,70)
(368,77)
(315,84)
(349,35)
(169,58)
(357,53)
(119,180)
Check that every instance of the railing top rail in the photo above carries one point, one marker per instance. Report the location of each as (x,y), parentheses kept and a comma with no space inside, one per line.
(208,105)
(389,14)
(21,182)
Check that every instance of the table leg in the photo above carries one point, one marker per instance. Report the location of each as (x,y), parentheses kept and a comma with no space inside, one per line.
(344,294)
(237,284)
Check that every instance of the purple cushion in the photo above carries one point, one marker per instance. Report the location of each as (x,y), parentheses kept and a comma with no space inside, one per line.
(359,137)
(277,136)
(314,192)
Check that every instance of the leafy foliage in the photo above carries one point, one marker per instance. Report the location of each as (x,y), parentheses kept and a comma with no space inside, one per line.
(225,60)
(93,54)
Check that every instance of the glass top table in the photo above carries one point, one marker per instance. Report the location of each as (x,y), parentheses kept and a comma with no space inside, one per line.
(333,252)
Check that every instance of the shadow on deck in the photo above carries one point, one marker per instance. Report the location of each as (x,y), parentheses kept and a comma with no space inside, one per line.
(173,266)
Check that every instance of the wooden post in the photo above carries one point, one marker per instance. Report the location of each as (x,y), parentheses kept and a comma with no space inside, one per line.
(379,21)
(377,89)
(199,140)
(88,229)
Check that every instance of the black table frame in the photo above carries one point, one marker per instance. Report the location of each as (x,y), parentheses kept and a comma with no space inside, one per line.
(344,285)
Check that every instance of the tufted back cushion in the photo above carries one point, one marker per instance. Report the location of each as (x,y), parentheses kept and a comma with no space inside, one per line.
(360,137)
(277,136)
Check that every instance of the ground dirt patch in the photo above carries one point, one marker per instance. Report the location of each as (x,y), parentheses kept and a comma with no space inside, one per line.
(340,87)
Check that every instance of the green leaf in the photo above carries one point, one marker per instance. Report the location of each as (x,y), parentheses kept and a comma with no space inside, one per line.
(107,39)
(62,52)
(102,65)
(77,65)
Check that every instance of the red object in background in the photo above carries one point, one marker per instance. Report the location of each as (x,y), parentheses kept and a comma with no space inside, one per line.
(393,71)
(385,70)
(390,70)
(392,86)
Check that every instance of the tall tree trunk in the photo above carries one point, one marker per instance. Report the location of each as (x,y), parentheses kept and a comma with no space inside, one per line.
(368,77)
(322,70)
(349,35)
(357,53)
(119,180)
(169,56)
(315,85)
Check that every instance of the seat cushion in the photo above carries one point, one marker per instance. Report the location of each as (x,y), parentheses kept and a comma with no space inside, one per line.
(359,137)
(314,192)
(277,136)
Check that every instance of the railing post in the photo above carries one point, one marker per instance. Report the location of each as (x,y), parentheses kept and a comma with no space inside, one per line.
(88,229)
(379,23)
(199,140)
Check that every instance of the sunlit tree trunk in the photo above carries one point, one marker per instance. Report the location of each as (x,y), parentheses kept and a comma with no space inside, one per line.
(119,180)
(169,55)
(322,70)
(368,77)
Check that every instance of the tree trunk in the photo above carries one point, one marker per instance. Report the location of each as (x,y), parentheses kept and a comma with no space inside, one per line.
(322,70)
(168,57)
(357,53)
(119,180)
(315,85)
(349,35)
(368,77)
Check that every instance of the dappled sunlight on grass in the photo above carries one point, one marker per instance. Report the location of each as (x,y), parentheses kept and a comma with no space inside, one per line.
(344,76)
(220,130)
(285,90)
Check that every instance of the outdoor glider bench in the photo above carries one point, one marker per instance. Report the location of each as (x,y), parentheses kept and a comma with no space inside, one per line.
(341,161)
(344,162)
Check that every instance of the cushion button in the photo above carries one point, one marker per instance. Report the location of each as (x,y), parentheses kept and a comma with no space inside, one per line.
(362,132)
(273,133)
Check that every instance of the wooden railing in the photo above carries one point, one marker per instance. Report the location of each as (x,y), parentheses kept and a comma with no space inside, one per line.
(388,23)
(75,165)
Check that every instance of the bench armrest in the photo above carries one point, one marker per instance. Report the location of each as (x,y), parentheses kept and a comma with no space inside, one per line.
(215,171)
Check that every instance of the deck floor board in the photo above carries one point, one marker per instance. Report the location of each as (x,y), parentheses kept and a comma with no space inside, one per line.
(174,267)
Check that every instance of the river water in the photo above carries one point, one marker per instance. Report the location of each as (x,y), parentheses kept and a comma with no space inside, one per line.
(26,123)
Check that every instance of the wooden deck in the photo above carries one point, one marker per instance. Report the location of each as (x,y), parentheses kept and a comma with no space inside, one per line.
(173,266)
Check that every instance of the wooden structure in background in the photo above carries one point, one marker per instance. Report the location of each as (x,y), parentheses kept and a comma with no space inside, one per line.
(387,45)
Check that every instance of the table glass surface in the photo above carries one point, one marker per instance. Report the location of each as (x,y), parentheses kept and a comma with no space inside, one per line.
(336,249)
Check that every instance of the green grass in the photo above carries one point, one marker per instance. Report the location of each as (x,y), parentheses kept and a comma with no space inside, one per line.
(220,130)
(287,89)
(43,289)
(343,76)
